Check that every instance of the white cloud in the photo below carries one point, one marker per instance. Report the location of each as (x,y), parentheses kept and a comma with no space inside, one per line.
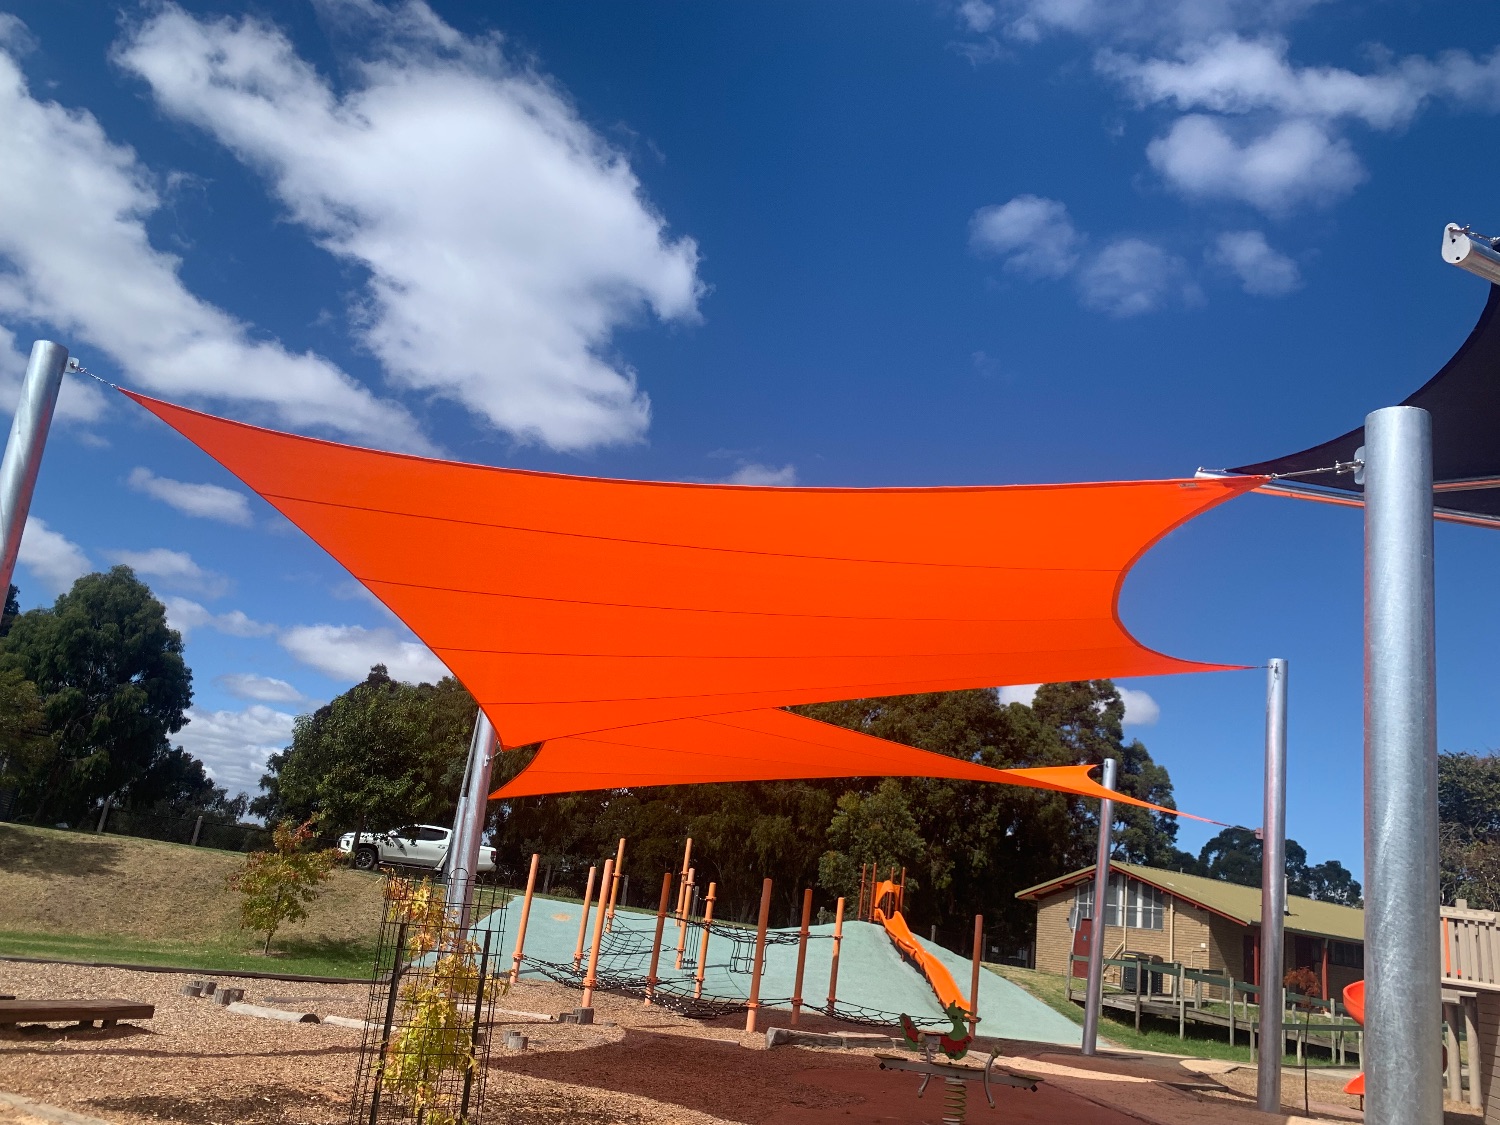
(185,615)
(1263,272)
(259,689)
(175,569)
(79,400)
(234,745)
(73,211)
(505,241)
(1140,709)
(1129,277)
(205,501)
(1036,236)
(1233,74)
(752,472)
(55,561)
(1168,21)
(977,15)
(341,652)
(347,652)
(1296,162)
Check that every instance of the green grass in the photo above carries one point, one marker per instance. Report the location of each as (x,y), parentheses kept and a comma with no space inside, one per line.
(322,957)
(1155,1035)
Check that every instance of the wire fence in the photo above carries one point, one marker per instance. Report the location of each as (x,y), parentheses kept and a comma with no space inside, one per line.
(205,831)
(196,830)
(431,1012)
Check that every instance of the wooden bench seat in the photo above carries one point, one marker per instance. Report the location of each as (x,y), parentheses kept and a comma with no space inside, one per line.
(84,1012)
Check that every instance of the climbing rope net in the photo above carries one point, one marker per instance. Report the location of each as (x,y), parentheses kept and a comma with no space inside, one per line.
(625,959)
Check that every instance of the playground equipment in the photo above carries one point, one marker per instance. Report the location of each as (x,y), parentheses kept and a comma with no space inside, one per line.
(729,967)
(1354,1000)
(955,1073)
(935,971)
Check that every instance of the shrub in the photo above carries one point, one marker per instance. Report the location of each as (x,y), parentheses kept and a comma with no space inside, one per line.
(277,885)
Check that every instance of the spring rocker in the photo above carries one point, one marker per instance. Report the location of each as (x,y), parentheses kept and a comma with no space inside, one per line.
(943,1056)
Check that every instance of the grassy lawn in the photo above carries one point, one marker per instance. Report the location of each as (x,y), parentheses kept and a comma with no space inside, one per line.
(320,957)
(78,896)
(1155,1034)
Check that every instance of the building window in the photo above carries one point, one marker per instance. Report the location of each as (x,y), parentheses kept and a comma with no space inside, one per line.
(1346,955)
(1141,905)
(1145,907)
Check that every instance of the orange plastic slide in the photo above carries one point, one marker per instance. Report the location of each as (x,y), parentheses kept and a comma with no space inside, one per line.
(935,971)
(1354,1001)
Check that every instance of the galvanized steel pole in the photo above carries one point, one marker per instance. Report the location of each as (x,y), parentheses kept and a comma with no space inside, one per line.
(1272,894)
(462,860)
(1403,991)
(23,450)
(1093,996)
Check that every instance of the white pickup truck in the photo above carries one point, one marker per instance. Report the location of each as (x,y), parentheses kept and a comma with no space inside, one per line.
(416,845)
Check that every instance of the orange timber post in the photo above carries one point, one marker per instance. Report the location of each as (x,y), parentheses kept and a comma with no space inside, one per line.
(661,923)
(708,924)
(974,980)
(583,919)
(591,978)
(833,968)
(614,886)
(752,1005)
(515,967)
(801,954)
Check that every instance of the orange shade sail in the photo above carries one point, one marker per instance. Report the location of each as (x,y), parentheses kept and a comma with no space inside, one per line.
(766,745)
(649,633)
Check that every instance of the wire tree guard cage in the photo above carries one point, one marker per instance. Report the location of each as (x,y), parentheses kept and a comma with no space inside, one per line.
(426,1045)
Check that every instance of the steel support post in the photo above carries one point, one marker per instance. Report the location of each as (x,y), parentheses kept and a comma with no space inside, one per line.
(1403,997)
(1094,994)
(462,860)
(1272,894)
(23,450)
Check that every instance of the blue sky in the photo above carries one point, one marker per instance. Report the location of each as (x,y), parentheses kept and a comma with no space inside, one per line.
(827,244)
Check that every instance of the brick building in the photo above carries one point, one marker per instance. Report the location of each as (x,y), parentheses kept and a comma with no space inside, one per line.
(1203,924)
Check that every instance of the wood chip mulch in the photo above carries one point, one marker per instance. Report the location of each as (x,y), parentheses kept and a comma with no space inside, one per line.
(198,1064)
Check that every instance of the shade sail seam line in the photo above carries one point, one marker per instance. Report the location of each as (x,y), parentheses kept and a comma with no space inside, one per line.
(852,656)
(873,755)
(796,743)
(863,691)
(722,755)
(706,609)
(272,496)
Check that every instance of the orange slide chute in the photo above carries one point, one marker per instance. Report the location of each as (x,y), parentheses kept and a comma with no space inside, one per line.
(899,932)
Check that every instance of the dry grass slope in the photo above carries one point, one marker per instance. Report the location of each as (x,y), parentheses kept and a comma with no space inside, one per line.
(81,884)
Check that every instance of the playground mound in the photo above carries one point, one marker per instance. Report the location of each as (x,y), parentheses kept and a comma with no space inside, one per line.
(874,981)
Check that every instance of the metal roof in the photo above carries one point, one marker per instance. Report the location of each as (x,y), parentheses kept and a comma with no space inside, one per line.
(1232,901)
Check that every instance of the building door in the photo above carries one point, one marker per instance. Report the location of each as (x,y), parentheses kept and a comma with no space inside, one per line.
(1250,957)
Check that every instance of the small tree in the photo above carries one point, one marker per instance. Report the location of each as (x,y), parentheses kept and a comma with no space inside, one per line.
(1304,982)
(278,884)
